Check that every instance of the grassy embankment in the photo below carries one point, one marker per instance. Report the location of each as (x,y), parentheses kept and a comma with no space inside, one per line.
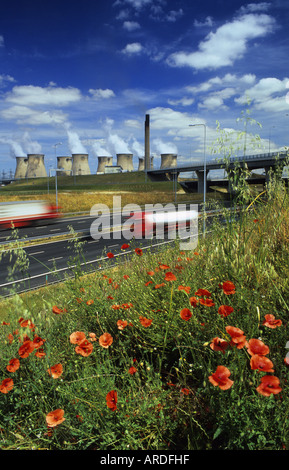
(130,358)
(82,192)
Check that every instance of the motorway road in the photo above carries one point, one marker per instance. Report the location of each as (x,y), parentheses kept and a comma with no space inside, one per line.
(50,261)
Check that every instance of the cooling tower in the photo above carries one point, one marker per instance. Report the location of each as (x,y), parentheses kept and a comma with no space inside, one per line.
(168,160)
(21,167)
(35,166)
(125,161)
(141,164)
(103,162)
(80,164)
(66,164)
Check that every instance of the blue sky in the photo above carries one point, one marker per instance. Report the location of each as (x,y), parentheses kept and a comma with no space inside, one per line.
(85,74)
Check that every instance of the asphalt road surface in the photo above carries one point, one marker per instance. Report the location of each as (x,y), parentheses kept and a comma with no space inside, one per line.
(52,261)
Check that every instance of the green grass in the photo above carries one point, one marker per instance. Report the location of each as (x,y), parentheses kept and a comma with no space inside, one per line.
(128,181)
(168,402)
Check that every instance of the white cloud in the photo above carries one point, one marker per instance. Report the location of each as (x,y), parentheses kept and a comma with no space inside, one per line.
(29,95)
(216,83)
(269,94)
(226,45)
(137,4)
(167,119)
(208,22)
(174,15)
(6,78)
(25,115)
(216,100)
(101,94)
(253,7)
(132,48)
(185,101)
(131,25)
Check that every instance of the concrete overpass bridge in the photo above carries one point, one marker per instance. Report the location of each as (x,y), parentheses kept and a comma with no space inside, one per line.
(267,161)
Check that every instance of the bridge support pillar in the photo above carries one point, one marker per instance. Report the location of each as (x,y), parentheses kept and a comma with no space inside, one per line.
(201,182)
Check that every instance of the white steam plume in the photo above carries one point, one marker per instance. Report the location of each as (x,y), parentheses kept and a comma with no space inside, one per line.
(15,148)
(164,147)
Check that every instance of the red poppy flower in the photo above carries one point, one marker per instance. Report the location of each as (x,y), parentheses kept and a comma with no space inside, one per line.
(261,363)
(132,370)
(147,283)
(76,337)
(126,276)
(158,286)
(26,348)
(92,336)
(14,365)
(55,371)
(194,301)
(121,324)
(84,348)
(271,322)
(203,293)
(40,353)
(54,418)
(225,310)
(170,277)
(105,340)
(38,342)
(138,251)
(237,336)
(185,288)
(124,246)
(220,378)
(256,346)
(110,255)
(57,310)
(185,391)
(10,338)
(6,385)
(185,314)
(219,344)
(269,385)
(228,288)
(207,302)
(26,323)
(90,302)
(111,400)
(163,266)
(146,322)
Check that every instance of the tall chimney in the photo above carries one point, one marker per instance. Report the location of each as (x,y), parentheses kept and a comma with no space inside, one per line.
(147,142)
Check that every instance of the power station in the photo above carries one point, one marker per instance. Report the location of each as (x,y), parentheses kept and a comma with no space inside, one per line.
(32,165)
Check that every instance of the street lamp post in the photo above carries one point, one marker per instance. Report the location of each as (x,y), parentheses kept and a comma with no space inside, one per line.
(205,173)
(56,191)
